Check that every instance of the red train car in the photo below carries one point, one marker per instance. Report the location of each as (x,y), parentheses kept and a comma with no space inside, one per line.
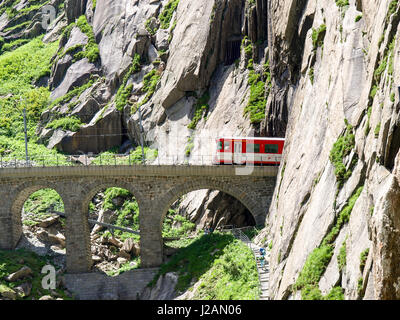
(240,150)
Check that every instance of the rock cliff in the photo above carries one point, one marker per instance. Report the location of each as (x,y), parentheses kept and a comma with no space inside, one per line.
(333,224)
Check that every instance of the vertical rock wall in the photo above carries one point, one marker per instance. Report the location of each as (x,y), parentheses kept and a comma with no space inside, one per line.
(335,74)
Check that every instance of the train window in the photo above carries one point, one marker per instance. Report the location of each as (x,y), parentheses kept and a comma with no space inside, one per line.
(227,145)
(219,147)
(252,147)
(271,148)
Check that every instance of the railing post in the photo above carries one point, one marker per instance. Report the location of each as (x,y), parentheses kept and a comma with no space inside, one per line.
(129,158)
(115,160)
(15,162)
(100,158)
(57,159)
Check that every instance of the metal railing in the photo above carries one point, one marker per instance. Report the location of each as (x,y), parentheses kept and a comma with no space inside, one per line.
(107,160)
(110,227)
(240,235)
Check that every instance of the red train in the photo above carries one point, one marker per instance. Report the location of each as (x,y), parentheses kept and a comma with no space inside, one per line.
(259,151)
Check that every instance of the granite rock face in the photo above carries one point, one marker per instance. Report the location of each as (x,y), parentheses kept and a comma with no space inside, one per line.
(334,71)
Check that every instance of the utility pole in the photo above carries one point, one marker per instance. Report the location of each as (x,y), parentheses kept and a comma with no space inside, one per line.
(141,135)
(26,134)
(26,137)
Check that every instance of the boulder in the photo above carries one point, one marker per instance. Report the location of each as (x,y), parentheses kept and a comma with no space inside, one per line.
(121,261)
(57,239)
(132,247)
(96,259)
(24,289)
(128,245)
(115,242)
(76,75)
(105,216)
(122,254)
(47,297)
(21,273)
(8,293)
(48,221)
(164,288)
(162,39)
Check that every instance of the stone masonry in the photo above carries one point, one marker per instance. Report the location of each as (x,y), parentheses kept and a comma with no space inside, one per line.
(155,188)
(97,286)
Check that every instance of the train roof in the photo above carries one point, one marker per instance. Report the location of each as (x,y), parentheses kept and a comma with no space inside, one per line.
(253,138)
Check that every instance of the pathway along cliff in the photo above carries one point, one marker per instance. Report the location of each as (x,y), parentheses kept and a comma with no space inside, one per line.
(107,76)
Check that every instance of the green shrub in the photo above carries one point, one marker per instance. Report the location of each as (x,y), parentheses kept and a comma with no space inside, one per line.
(318,36)
(377,130)
(124,91)
(367,126)
(150,82)
(342,3)
(91,51)
(40,203)
(201,110)
(259,91)
(342,148)
(66,124)
(10,262)
(336,293)
(363,259)
(166,15)
(127,215)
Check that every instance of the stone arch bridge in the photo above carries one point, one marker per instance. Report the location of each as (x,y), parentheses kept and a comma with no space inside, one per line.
(154,187)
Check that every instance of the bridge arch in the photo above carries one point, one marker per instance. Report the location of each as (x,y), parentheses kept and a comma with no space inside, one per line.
(99,185)
(233,190)
(21,194)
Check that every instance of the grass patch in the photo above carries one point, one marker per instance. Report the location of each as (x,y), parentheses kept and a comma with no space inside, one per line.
(66,124)
(342,148)
(124,91)
(201,110)
(225,266)
(10,262)
(185,226)
(18,70)
(363,259)
(150,82)
(342,256)
(91,51)
(342,3)
(40,202)
(320,257)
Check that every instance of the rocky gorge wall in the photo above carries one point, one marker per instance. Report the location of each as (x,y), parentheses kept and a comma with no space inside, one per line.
(333,223)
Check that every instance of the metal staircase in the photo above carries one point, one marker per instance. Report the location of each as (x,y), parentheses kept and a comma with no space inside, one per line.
(263,272)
